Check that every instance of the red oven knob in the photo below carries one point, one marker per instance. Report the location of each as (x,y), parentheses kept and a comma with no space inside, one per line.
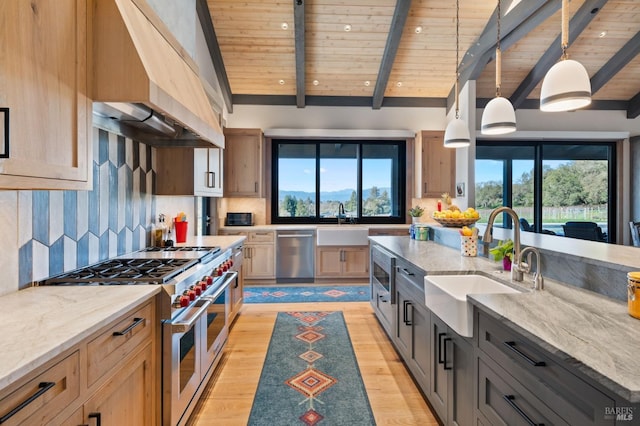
(225,267)
(184,301)
(203,285)
(209,279)
(230,261)
(198,290)
(192,295)
(219,271)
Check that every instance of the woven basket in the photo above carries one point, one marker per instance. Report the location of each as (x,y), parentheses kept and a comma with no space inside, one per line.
(455,222)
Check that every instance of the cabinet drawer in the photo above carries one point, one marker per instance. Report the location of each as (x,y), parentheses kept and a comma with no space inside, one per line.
(261,237)
(118,341)
(577,401)
(413,275)
(504,401)
(42,398)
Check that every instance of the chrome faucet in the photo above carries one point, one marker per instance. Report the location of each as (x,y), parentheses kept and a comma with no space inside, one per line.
(341,214)
(538,280)
(516,272)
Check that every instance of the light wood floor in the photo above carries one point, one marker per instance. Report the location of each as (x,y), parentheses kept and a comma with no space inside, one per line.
(393,396)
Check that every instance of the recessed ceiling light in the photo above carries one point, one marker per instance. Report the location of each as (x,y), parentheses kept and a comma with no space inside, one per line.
(418,30)
(602,34)
(367,83)
(347,28)
(284,26)
(316,82)
(281,82)
(399,84)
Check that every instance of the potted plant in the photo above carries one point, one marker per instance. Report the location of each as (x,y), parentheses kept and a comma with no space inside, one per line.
(503,251)
(415,213)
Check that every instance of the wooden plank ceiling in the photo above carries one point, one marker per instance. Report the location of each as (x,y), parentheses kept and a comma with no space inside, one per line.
(402,52)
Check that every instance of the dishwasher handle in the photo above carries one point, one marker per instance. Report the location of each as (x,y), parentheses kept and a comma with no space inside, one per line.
(295,235)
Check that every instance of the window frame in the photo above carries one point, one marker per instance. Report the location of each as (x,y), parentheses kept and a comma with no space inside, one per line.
(538,159)
(401,182)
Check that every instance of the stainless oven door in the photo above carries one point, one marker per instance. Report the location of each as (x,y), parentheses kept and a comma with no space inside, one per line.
(216,328)
(182,359)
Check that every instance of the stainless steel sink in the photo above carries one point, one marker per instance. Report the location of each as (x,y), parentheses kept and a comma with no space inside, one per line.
(446,296)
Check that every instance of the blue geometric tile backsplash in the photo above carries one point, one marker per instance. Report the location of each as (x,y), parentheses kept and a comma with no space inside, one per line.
(72,229)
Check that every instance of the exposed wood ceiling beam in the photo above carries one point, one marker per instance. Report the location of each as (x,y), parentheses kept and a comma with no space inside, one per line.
(202,9)
(578,23)
(629,51)
(298,14)
(391,48)
(633,110)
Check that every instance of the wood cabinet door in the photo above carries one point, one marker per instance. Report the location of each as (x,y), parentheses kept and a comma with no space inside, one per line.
(438,166)
(260,262)
(45,87)
(355,262)
(243,158)
(328,262)
(126,399)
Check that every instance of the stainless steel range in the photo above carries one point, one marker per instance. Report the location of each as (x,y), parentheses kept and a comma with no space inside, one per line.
(194,307)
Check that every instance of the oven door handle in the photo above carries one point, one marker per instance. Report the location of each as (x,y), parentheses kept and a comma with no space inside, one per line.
(184,326)
(231,276)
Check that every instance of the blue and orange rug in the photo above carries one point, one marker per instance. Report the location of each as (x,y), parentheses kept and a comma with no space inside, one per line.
(310,375)
(308,293)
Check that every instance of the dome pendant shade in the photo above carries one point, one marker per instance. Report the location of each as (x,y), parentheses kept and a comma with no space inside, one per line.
(566,87)
(457,134)
(498,117)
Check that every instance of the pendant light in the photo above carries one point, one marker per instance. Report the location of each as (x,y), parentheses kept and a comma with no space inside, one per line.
(566,87)
(498,117)
(456,135)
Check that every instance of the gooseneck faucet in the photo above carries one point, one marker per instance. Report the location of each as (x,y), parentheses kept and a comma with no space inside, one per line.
(538,280)
(516,272)
(341,214)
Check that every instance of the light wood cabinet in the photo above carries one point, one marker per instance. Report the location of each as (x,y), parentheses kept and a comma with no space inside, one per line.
(342,262)
(259,254)
(111,378)
(44,93)
(244,163)
(189,171)
(435,166)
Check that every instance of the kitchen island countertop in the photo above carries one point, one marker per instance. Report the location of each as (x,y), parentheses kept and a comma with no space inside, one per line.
(592,333)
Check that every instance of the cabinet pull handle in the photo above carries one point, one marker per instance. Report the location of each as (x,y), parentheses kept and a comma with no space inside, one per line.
(440,360)
(406,271)
(211,179)
(509,399)
(406,319)
(44,386)
(256,186)
(382,299)
(425,188)
(96,416)
(512,346)
(444,343)
(136,322)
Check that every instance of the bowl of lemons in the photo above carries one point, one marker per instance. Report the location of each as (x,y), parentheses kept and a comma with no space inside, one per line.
(453,217)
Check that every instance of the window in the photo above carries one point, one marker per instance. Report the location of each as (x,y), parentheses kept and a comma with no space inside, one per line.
(312,179)
(551,185)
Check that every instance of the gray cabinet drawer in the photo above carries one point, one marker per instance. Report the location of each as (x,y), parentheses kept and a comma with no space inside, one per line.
(504,401)
(575,400)
(412,275)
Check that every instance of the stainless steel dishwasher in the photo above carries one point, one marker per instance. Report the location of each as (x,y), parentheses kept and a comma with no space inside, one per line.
(295,255)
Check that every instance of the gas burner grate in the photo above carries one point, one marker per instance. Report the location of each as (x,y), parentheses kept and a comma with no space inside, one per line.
(127,270)
(182,248)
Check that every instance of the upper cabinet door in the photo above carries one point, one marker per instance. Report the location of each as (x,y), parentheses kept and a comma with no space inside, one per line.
(244,163)
(435,166)
(44,91)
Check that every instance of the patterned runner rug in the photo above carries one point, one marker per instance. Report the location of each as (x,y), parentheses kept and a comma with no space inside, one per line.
(310,375)
(309,293)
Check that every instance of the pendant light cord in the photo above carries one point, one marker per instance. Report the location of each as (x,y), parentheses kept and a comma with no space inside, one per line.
(565,28)
(498,56)
(457,53)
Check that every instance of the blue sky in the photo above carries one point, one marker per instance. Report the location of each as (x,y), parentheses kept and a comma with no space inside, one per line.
(487,170)
(298,174)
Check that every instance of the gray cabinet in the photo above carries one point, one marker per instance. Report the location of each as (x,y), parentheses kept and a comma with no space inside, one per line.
(413,319)
(517,376)
(452,374)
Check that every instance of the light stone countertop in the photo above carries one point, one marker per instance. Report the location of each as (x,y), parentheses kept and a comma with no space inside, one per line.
(592,333)
(39,323)
(291,227)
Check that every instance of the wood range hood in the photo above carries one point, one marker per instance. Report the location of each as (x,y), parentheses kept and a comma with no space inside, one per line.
(145,82)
